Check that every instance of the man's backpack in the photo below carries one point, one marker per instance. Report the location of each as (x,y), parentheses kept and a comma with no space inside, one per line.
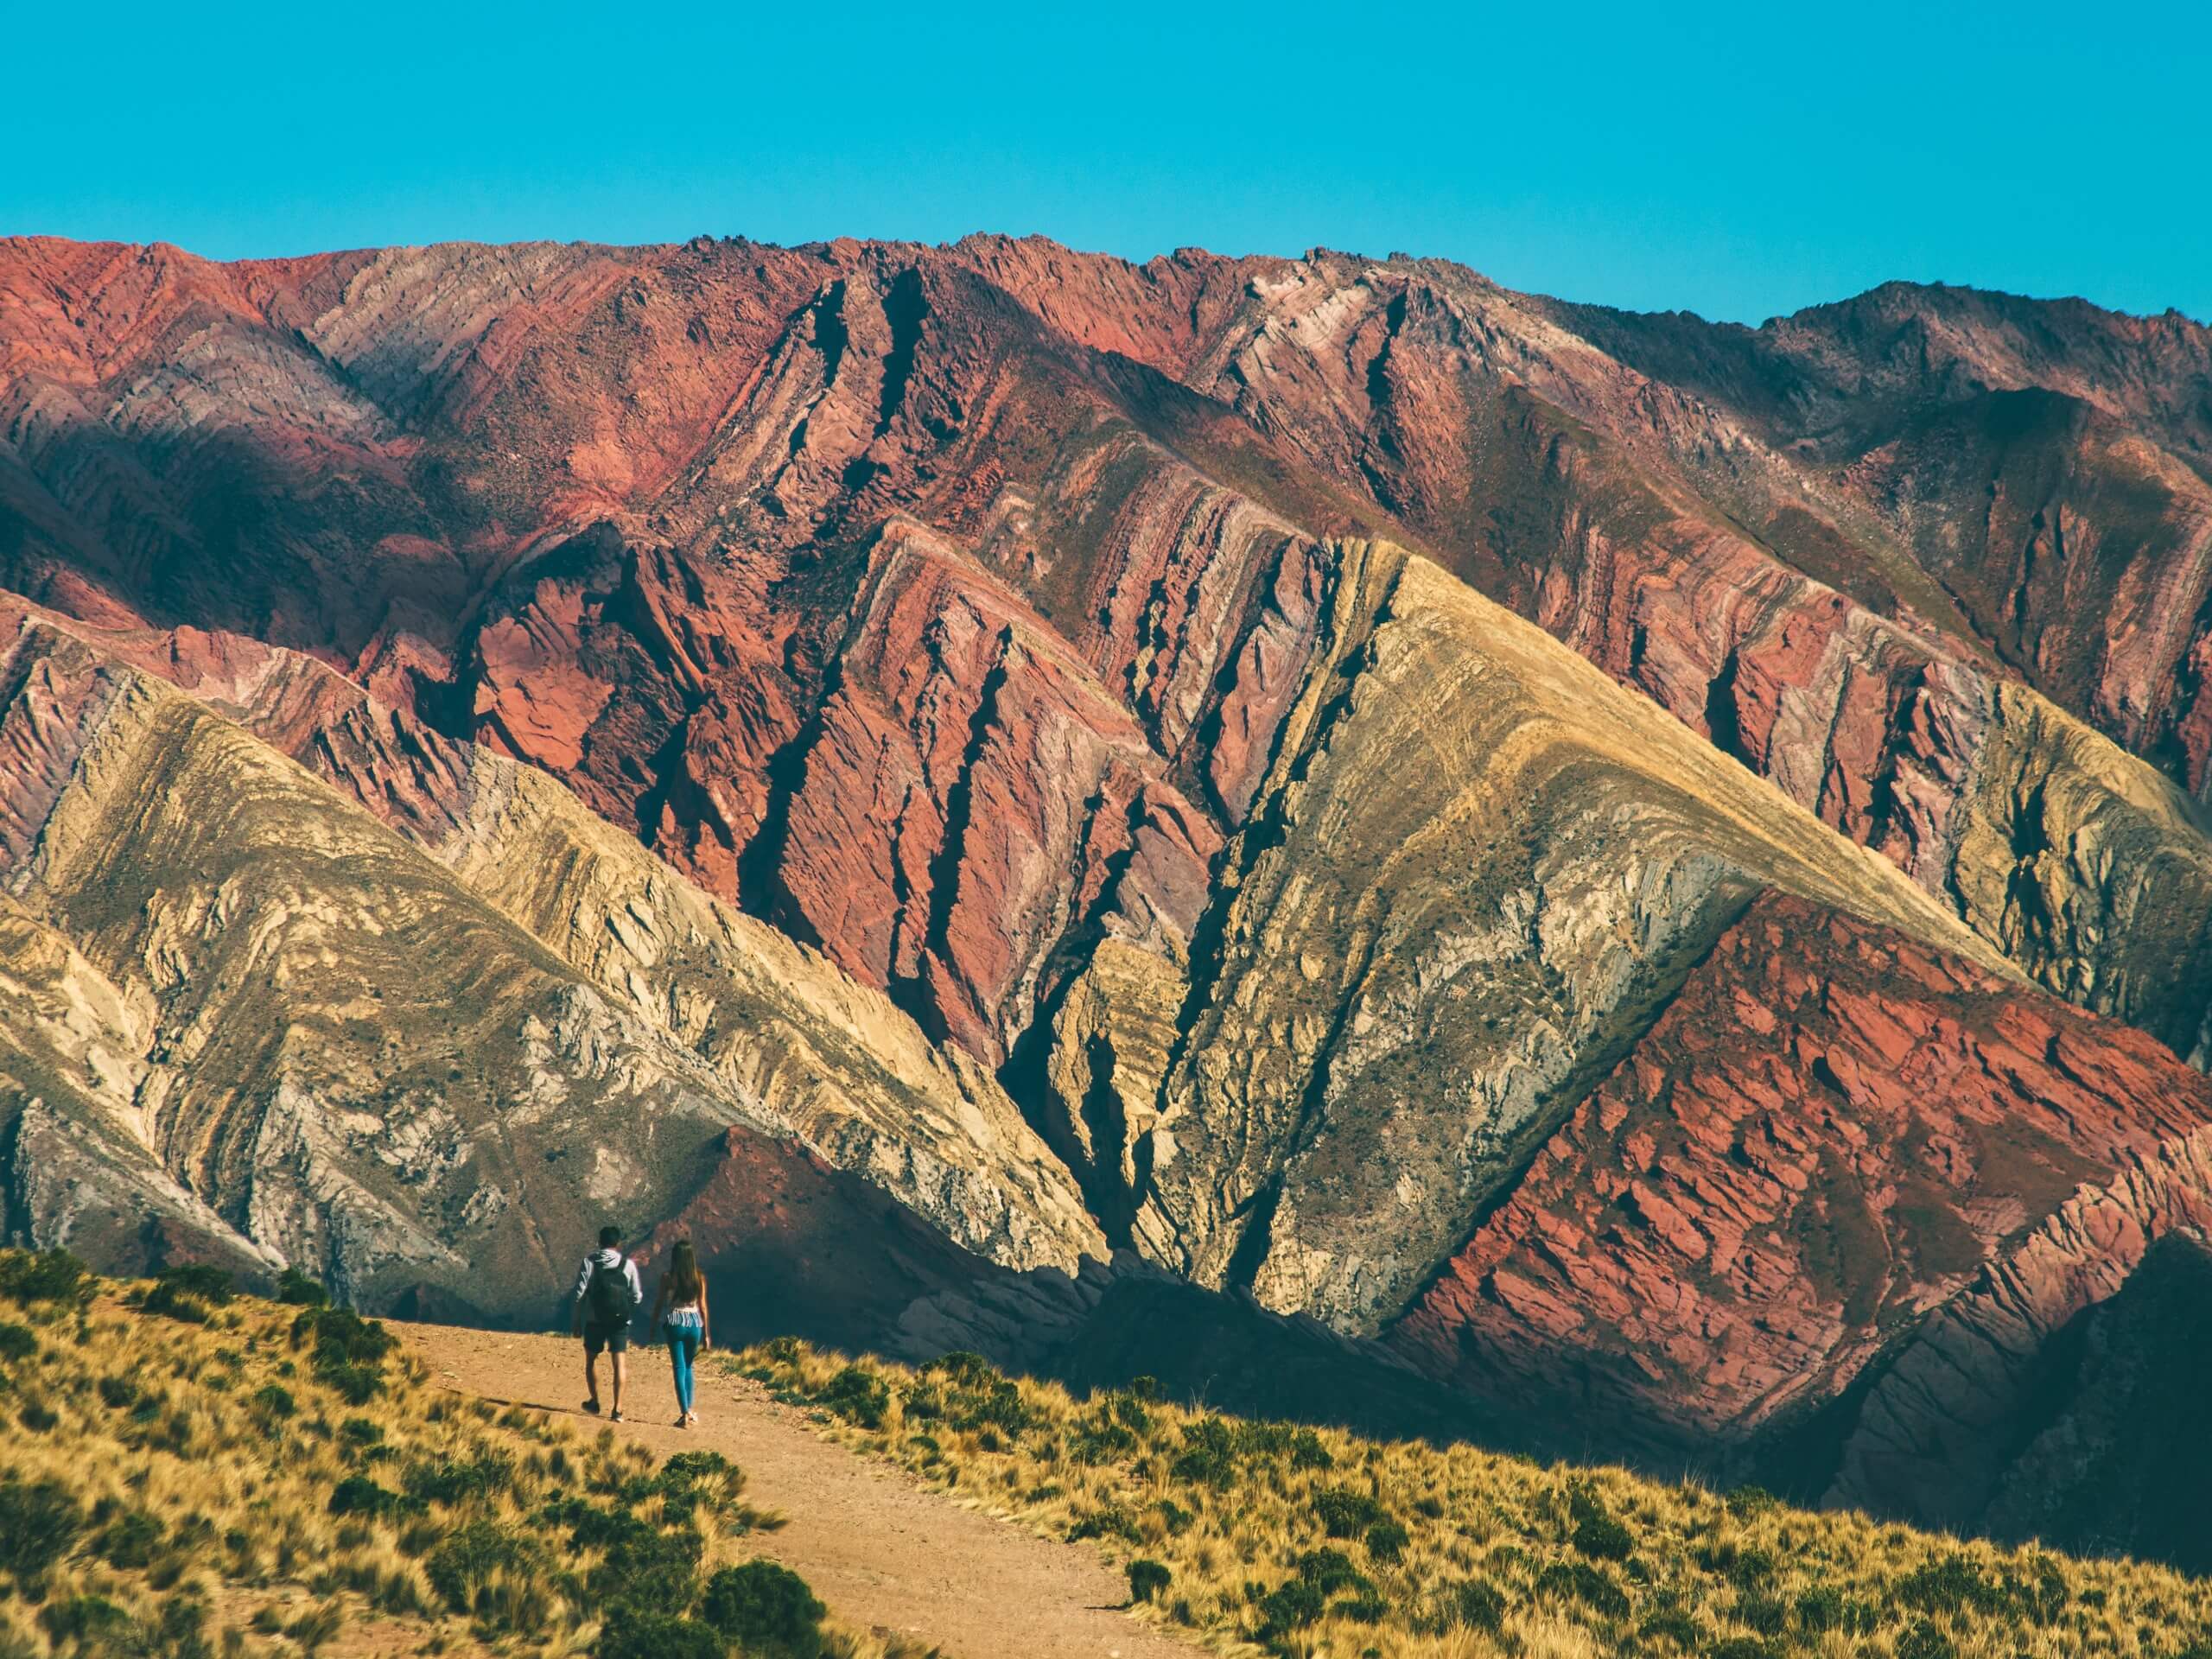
(608,1298)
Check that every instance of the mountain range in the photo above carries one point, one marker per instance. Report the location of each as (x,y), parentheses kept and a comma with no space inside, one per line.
(1317,828)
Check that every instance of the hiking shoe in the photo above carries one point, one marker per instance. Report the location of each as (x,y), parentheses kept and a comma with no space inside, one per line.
(613,1416)
(592,1406)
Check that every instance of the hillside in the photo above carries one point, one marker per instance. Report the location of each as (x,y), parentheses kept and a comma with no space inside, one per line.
(1605,882)
(192,1469)
(187,1472)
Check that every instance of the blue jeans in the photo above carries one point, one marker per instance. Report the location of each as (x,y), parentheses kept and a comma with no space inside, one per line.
(682,1349)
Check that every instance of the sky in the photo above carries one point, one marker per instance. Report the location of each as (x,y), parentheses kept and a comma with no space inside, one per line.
(1735,161)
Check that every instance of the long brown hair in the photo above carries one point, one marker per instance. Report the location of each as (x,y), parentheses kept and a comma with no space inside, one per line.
(684,1280)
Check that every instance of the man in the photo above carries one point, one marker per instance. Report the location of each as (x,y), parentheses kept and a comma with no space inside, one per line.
(607,1294)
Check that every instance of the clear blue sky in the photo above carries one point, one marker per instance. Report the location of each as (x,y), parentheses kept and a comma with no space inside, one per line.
(1733,160)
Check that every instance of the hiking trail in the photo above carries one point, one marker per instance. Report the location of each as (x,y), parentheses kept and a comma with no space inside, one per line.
(879,1548)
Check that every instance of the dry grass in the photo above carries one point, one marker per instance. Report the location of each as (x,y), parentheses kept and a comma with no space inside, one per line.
(1315,1542)
(187,1473)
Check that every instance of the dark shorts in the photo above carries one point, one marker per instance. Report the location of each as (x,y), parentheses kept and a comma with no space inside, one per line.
(614,1338)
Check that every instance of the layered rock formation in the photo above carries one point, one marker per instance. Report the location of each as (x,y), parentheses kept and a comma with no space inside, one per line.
(1833,1130)
(1562,841)
(394,1019)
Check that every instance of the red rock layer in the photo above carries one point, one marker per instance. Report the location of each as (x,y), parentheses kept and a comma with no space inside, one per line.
(614,510)
(1831,1131)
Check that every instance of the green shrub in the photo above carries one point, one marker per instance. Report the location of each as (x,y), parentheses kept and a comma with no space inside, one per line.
(1291,1606)
(213,1286)
(766,1610)
(635,1633)
(1344,1513)
(94,1623)
(1387,1540)
(17,1343)
(1331,1570)
(859,1395)
(1598,1533)
(454,1481)
(128,1540)
(39,1522)
(274,1400)
(1148,1581)
(997,1406)
(1209,1455)
(348,1351)
(1108,1521)
(117,1393)
(358,1494)
(1579,1581)
(1925,1640)
(1744,1647)
(1952,1585)
(466,1558)
(1471,1605)
(47,1276)
(1306,1452)
(296,1289)
(967,1370)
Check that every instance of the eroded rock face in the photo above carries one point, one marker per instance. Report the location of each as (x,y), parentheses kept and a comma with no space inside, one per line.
(511,943)
(613,510)
(1838,1148)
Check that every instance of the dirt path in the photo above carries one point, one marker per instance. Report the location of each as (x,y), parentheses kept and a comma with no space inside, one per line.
(880,1549)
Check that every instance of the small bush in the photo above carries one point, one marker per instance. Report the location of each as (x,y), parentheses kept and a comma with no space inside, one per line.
(454,1481)
(1744,1647)
(1306,1452)
(1344,1513)
(1579,1581)
(274,1400)
(633,1633)
(128,1541)
(47,1276)
(1472,1604)
(296,1289)
(1148,1580)
(766,1610)
(469,1557)
(94,1623)
(859,1395)
(17,1343)
(348,1351)
(358,1494)
(1108,1521)
(1387,1540)
(213,1286)
(1209,1455)
(39,1522)
(117,1393)
(966,1370)
(1598,1533)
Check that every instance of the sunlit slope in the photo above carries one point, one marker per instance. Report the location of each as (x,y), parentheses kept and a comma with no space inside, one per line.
(1477,870)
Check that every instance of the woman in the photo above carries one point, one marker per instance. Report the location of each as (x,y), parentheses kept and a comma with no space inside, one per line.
(680,1312)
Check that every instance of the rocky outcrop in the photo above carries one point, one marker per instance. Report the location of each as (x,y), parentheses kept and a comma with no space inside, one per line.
(1838,1153)
(660,1004)
(1467,883)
